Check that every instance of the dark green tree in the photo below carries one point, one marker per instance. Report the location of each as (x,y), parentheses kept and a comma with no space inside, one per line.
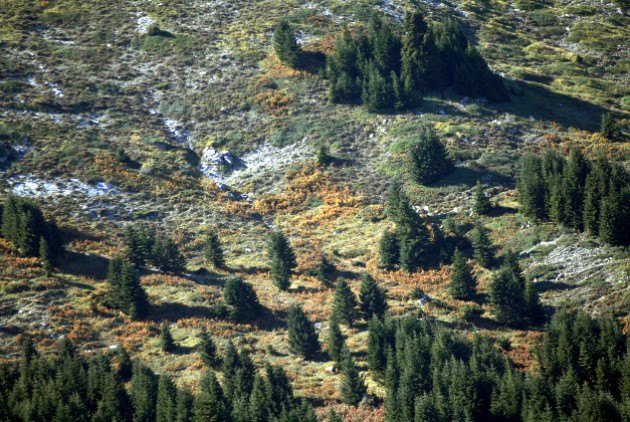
(574,182)
(609,128)
(372,297)
(166,410)
(282,260)
(125,366)
(213,251)
(208,350)
(125,292)
(167,344)
(506,296)
(143,393)
(344,303)
(389,251)
(45,256)
(533,308)
(428,158)
(531,188)
(242,299)
(166,255)
(301,332)
(377,89)
(184,405)
(211,405)
(352,386)
(414,58)
(481,205)
(463,284)
(336,341)
(286,46)
(483,250)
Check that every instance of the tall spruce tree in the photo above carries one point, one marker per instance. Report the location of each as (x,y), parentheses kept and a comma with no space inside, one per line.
(372,297)
(483,250)
(211,405)
(242,299)
(167,344)
(125,292)
(208,350)
(336,341)
(344,303)
(414,58)
(45,256)
(301,332)
(575,175)
(286,46)
(506,294)
(389,251)
(609,128)
(282,260)
(428,158)
(463,284)
(352,386)
(531,188)
(213,251)
(143,393)
(166,406)
(481,205)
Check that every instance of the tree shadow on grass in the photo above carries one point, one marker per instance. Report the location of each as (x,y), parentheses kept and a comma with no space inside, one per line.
(468,176)
(172,311)
(78,264)
(543,104)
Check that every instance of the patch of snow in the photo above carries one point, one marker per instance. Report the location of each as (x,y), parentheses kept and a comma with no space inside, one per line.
(33,186)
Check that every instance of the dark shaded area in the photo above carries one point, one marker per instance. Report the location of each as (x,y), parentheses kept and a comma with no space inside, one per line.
(542,104)
(313,61)
(78,264)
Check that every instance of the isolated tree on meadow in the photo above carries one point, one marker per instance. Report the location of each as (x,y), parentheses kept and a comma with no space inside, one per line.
(481,204)
(302,335)
(389,251)
(428,158)
(208,350)
(213,251)
(372,298)
(336,341)
(463,284)
(483,250)
(344,303)
(242,299)
(286,46)
(352,387)
(167,344)
(45,256)
(282,260)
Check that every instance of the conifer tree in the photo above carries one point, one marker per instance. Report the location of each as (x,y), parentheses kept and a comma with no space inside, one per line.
(352,386)
(211,405)
(482,205)
(125,292)
(506,296)
(166,255)
(463,284)
(208,350)
(609,128)
(377,90)
(213,251)
(575,175)
(45,256)
(389,251)
(414,58)
(166,400)
(428,158)
(377,347)
(533,308)
(325,272)
(184,405)
(230,366)
(167,344)
(344,304)
(282,260)
(531,188)
(286,46)
(483,251)
(302,336)
(125,366)
(372,298)
(336,341)
(143,393)
(610,222)
(334,416)
(242,299)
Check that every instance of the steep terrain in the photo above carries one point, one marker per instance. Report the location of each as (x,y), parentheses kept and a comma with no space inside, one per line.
(107,120)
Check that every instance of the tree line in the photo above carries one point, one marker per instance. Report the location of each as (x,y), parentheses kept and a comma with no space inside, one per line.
(68,386)
(435,374)
(391,67)
(578,192)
